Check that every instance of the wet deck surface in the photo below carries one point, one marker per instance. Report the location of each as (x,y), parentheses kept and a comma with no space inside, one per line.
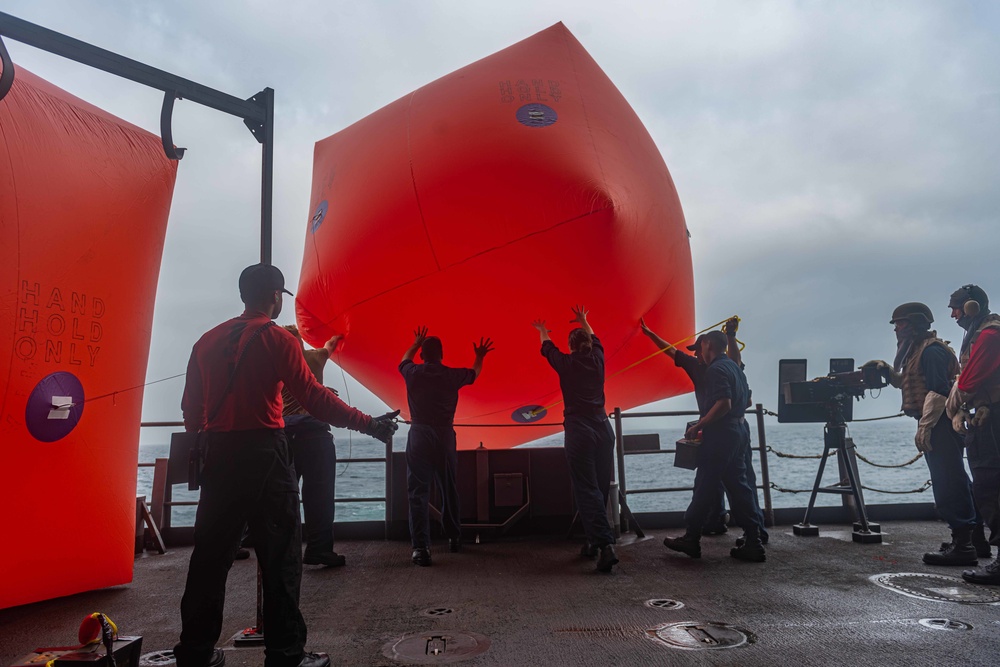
(538,603)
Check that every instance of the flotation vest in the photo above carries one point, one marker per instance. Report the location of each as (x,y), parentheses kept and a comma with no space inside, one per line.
(290,404)
(991,320)
(989,393)
(914,386)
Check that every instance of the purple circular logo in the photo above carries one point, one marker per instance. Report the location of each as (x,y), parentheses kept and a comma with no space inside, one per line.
(536,115)
(54,407)
(318,216)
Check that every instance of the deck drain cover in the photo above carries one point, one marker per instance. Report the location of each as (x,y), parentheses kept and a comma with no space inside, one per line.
(944,624)
(437,611)
(436,647)
(937,587)
(664,603)
(157,659)
(698,636)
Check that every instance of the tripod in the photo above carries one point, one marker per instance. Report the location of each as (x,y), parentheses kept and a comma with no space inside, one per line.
(835,438)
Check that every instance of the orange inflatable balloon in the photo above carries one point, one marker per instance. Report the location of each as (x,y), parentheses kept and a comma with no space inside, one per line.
(84,198)
(506,191)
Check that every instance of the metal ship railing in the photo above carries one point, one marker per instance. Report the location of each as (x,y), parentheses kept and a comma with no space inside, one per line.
(622,451)
(167,473)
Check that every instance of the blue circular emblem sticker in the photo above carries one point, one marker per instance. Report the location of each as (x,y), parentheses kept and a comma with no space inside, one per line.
(318,216)
(536,115)
(54,407)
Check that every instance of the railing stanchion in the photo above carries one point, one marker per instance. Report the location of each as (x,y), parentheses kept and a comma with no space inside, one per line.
(159,495)
(765,476)
(388,486)
(620,450)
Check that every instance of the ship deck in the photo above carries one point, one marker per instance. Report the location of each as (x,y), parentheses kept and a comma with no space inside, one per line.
(537,602)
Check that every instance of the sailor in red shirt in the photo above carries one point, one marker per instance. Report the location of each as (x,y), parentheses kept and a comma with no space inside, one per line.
(233,394)
(974,405)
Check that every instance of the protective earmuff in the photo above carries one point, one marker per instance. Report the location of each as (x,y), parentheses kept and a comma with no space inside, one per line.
(971,307)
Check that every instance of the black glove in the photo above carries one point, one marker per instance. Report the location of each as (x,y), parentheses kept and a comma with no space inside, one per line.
(382,428)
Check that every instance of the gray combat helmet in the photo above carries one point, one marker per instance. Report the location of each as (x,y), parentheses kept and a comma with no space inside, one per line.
(917,314)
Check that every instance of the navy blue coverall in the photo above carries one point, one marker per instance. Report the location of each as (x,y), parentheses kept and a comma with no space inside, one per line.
(590,442)
(695,370)
(723,453)
(314,456)
(432,395)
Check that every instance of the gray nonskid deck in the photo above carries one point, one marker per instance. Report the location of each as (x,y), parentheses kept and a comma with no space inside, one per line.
(538,603)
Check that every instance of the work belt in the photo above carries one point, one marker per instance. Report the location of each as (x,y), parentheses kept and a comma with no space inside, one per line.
(599,415)
(726,421)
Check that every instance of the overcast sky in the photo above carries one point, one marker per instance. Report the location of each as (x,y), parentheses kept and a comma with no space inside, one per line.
(833,159)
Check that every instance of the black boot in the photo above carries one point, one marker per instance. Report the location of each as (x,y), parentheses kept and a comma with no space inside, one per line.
(751,549)
(314,660)
(716,527)
(687,543)
(328,558)
(742,539)
(979,541)
(959,552)
(989,575)
(607,559)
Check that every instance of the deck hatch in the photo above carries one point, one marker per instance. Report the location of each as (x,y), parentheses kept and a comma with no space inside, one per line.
(439,647)
(438,611)
(664,603)
(944,624)
(700,635)
(157,659)
(937,587)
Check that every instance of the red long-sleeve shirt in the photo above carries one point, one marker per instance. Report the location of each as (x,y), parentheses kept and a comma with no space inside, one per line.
(984,362)
(273,359)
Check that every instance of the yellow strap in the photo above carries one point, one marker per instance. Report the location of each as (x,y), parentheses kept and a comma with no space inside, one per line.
(538,411)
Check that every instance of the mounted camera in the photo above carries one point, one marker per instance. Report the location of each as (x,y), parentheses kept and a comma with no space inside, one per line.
(801,400)
(827,400)
(835,386)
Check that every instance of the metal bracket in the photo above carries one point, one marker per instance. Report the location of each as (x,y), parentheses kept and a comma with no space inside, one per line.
(257,112)
(7,75)
(256,127)
(166,132)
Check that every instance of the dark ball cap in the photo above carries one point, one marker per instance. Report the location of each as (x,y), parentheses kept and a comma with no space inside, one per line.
(697,343)
(917,314)
(969,293)
(259,280)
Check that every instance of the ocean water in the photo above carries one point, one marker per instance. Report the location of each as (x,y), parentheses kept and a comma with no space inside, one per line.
(887,442)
